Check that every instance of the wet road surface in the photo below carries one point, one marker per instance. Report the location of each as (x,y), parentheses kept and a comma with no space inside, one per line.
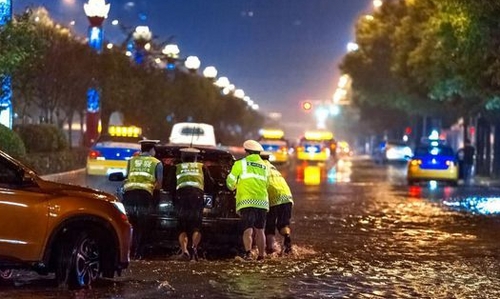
(359,233)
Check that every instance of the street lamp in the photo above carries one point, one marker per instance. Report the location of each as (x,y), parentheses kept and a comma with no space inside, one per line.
(96,11)
(239,93)
(171,51)
(222,82)
(6,112)
(142,37)
(377,3)
(210,72)
(192,63)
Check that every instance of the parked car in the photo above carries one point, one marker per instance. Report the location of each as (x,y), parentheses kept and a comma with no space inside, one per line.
(392,151)
(75,232)
(433,161)
(111,152)
(220,222)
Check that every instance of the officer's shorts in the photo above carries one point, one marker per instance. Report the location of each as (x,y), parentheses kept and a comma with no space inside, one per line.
(253,217)
(278,217)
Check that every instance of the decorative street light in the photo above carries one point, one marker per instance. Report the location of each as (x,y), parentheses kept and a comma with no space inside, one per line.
(171,51)
(239,93)
(142,37)
(96,11)
(5,80)
(192,63)
(222,82)
(210,72)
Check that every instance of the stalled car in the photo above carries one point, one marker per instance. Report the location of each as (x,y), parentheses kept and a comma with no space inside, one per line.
(433,161)
(220,222)
(75,232)
(111,152)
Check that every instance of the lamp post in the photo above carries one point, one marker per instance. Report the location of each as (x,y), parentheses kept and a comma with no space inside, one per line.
(142,37)
(210,72)
(96,11)
(5,80)
(192,63)
(171,51)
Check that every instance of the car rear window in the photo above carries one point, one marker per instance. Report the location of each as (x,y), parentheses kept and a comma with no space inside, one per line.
(434,150)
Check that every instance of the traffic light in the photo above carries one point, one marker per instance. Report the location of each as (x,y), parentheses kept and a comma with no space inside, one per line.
(306,106)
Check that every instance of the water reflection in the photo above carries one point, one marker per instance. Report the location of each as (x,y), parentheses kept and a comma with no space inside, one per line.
(312,174)
(476,204)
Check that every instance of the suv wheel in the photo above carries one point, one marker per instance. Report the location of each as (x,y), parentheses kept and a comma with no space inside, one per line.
(78,263)
(6,274)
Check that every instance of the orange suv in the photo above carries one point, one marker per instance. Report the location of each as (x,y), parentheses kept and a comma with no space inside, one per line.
(75,232)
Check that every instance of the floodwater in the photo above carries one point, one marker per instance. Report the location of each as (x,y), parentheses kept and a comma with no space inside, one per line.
(358,232)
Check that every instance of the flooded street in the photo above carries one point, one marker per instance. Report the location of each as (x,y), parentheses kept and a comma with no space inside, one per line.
(360,232)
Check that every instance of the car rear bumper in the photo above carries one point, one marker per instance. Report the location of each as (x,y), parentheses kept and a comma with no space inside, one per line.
(312,156)
(105,167)
(416,173)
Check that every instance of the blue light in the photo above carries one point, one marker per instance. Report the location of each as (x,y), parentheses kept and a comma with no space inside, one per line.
(6,101)
(5,81)
(92,100)
(96,37)
(5,11)
(170,66)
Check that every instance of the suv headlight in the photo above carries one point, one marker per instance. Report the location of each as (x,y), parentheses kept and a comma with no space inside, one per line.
(120,207)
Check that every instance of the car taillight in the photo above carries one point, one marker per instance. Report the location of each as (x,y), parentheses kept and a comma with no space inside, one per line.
(415,162)
(283,149)
(93,154)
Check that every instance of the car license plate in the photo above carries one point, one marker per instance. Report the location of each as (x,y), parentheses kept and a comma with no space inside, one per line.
(208,201)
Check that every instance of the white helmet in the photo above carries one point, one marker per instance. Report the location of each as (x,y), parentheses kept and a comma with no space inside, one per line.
(252,145)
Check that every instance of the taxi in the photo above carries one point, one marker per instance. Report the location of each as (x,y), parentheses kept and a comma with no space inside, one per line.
(316,145)
(433,161)
(273,141)
(111,152)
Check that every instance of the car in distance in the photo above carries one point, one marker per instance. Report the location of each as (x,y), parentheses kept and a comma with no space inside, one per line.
(316,146)
(111,152)
(433,161)
(75,232)
(392,151)
(220,221)
(273,141)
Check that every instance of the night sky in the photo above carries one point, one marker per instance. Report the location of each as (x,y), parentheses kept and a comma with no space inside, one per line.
(280,52)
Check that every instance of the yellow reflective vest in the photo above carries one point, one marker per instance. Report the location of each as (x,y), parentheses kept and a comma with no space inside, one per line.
(249,176)
(279,191)
(141,174)
(189,174)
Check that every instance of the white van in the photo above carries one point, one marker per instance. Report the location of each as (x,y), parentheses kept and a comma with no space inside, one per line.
(193,134)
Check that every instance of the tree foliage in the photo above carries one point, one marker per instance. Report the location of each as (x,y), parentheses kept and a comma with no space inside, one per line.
(52,70)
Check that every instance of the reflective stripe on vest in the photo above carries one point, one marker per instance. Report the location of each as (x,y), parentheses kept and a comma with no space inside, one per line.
(189,174)
(251,177)
(141,175)
(279,191)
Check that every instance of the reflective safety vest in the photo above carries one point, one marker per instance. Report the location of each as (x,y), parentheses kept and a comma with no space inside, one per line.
(189,174)
(249,176)
(279,191)
(141,175)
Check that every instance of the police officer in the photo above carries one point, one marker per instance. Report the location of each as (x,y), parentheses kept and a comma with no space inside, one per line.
(249,176)
(144,180)
(190,178)
(466,157)
(280,208)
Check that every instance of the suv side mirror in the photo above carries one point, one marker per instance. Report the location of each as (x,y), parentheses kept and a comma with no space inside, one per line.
(116,177)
